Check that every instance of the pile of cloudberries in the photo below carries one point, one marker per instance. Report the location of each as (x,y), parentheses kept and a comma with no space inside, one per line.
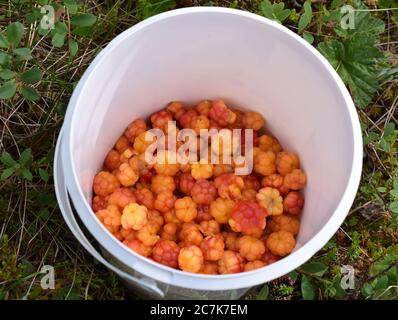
(201,217)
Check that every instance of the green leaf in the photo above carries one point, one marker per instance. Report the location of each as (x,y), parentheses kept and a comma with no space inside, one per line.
(148,8)
(293,275)
(31,76)
(29,93)
(60,27)
(43,174)
(394,193)
(23,53)
(4,58)
(15,33)
(73,47)
(82,31)
(6,173)
(275,11)
(388,130)
(7,90)
(308,37)
(83,20)
(394,206)
(27,174)
(396,183)
(263,294)
(314,268)
(7,159)
(3,41)
(307,290)
(6,74)
(71,5)
(387,4)
(26,157)
(58,40)
(306,17)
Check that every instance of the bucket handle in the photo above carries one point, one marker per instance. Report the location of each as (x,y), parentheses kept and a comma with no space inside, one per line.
(67,213)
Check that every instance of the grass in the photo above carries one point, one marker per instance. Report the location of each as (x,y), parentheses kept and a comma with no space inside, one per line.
(32,231)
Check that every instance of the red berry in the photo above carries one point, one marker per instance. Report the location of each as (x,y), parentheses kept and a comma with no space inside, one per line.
(248,217)
(203,192)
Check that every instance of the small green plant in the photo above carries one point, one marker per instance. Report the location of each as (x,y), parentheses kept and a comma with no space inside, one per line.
(19,168)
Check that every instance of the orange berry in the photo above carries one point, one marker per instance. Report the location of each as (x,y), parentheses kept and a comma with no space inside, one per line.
(274,180)
(145,197)
(209,228)
(199,122)
(269,143)
(121,197)
(105,183)
(121,144)
(213,248)
(295,180)
(252,265)
(166,252)
(126,175)
(269,258)
(286,162)
(99,203)
(190,259)
(185,209)
(134,216)
(293,203)
(139,165)
(264,163)
(186,183)
(203,213)
(138,247)
(247,217)
(185,117)
(201,170)
(229,186)
(221,114)
(251,182)
(161,183)
(281,243)
(285,223)
(112,160)
(203,192)
(253,120)
(110,217)
(143,141)
(135,128)
(165,201)
(251,248)
(155,218)
(127,234)
(190,234)
(210,267)
(219,169)
(231,262)
(147,235)
(170,217)
(127,154)
(160,119)
(270,199)
(203,107)
(174,106)
(221,209)
(231,240)
(169,231)
(249,194)
(166,163)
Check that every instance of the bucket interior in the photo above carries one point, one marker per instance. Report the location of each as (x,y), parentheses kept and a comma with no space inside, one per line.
(250,64)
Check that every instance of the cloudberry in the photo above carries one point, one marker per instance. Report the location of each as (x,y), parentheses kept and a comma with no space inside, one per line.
(134,216)
(249,194)
(285,223)
(253,120)
(213,248)
(203,192)
(209,228)
(190,259)
(203,213)
(231,240)
(174,106)
(147,235)
(229,186)
(251,248)
(186,183)
(166,163)
(190,233)
(286,162)
(121,197)
(145,197)
(166,252)
(221,114)
(122,144)
(199,122)
(186,118)
(127,234)
(127,154)
(138,247)
(295,180)
(210,267)
(185,209)
(143,141)
(281,243)
(126,175)
(170,217)
(99,203)
(139,165)
(165,201)
(162,183)
(269,143)
(134,129)
(247,217)
(251,182)
(274,180)
(147,177)
(155,218)
(203,107)
(169,231)
(160,119)
(221,209)
(185,168)
(264,163)
(201,170)
(231,262)
(105,183)
(219,169)
(270,199)
(269,258)
(112,160)
(238,123)
(293,203)
(252,265)
(110,216)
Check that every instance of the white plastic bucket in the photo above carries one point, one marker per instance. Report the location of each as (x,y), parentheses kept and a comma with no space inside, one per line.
(196,53)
